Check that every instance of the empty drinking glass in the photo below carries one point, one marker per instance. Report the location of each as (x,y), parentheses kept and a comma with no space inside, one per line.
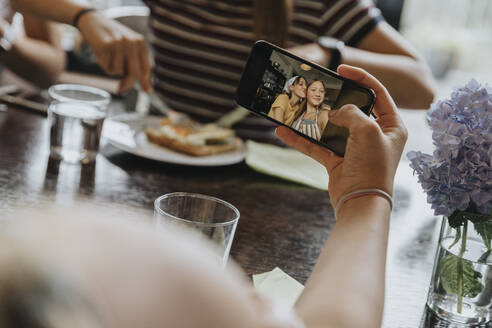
(213,217)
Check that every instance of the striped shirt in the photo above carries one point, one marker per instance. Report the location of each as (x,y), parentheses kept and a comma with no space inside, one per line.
(308,127)
(201,46)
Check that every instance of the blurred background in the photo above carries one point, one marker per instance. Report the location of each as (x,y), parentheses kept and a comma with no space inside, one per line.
(454,36)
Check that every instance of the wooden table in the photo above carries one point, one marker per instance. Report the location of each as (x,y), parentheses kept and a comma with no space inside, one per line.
(282,224)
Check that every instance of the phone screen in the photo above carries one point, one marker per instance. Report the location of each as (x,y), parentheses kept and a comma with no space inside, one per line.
(293,92)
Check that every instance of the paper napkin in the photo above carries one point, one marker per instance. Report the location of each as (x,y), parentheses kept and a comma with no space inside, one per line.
(286,163)
(278,286)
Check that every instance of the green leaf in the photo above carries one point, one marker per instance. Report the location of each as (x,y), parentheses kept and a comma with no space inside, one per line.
(483,258)
(476,217)
(459,217)
(484,229)
(456,219)
(482,224)
(448,271)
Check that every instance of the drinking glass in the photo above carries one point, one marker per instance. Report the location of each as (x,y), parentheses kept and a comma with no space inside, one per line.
(76,93)
(75,131)
(212,217)
(76,116)
(461,286)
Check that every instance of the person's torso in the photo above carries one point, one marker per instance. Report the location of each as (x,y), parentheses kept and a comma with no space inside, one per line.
(201,46)
(291,114)
(308,126)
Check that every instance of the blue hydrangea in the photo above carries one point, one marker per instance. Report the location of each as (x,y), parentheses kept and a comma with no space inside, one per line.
(458,176)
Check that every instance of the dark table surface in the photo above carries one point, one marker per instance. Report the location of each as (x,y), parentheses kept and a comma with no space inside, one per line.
(282,224)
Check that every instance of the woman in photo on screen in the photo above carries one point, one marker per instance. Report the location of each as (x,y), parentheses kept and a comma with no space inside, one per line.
(313,116)
(287,104)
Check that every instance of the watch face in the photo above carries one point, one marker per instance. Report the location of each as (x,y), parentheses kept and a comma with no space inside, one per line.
(330,43)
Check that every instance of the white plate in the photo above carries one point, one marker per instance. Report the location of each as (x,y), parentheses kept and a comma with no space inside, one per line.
(127,132)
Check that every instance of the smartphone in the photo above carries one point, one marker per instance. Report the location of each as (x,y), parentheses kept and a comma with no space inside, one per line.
(296,93)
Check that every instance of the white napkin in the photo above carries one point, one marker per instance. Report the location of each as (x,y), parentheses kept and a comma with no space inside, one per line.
(279,287)
(286,163)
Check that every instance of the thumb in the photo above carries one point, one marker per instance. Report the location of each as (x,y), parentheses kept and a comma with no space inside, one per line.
(349,116)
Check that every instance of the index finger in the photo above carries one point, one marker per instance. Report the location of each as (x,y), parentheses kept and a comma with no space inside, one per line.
(362,77)
(145,68)
(132,68)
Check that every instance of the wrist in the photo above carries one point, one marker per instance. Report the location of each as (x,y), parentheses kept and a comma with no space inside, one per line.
(346,200)
(364,206)
(333,50)
(83,15)
(326,57)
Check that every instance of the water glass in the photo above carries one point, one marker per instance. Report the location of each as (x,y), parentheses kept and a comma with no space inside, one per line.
(76,116)
(76,93)
(212,217)
(75,131)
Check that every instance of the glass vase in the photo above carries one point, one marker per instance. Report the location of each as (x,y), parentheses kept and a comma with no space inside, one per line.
(461,287)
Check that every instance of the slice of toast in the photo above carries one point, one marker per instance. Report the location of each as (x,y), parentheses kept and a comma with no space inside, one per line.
(194,139)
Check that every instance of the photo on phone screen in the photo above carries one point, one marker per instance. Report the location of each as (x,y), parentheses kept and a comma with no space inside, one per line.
(293,92)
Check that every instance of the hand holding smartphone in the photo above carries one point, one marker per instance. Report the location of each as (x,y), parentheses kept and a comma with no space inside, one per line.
(299,94)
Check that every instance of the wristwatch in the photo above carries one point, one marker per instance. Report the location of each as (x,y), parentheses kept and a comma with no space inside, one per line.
(335,47)
(10,32)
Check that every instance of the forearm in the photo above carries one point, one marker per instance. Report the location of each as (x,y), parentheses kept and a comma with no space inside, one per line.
(35,60)
(408,80)
(346,288)
(62,11)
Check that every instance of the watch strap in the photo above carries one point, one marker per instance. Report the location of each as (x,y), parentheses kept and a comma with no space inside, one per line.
(335,47)
(79,15)
(335,59)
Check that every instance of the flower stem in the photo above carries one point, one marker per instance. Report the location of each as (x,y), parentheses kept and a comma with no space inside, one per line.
(460,267)
(457,238)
